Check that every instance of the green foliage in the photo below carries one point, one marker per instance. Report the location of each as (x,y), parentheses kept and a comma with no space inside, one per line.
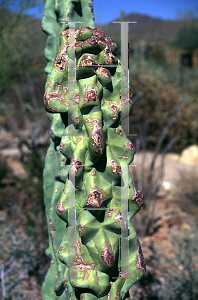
(158,99)
(187,37)
(153,83)
(156,53)
(88,157)
(20,55)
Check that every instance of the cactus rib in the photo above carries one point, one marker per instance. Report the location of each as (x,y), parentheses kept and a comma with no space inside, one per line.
(88,158)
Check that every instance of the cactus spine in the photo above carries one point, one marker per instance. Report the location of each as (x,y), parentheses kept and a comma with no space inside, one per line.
(86,161)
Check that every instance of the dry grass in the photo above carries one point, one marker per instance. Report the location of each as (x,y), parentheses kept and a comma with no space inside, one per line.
(148,180)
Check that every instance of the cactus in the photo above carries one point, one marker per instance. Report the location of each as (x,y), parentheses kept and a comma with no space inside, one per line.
(87,164)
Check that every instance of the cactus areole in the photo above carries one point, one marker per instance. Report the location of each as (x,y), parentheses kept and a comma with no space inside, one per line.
(87,183)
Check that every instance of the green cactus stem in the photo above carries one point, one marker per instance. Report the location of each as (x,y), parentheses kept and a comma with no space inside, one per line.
(87,161)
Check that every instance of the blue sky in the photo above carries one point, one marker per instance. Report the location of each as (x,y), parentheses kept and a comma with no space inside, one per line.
(106,11)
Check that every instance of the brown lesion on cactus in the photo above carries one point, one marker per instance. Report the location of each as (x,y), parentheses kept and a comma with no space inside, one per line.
(115,168)
(97,276)
(138,198)
(75,165)
(51,226)
(97,139)
(93,173)
(108,256)
(109,57)
(120,218)
(77,120)
(96,134)
(140,264)
(79,263)
(76,98)
(61,59)
(52,229)
(79,45)
(104,72)
(47,99)
(102,102)
(110,212)
(86,276)
(110,43)
(123,274)
(60,207)
(130,146)
(87,60)
(115,108)
(113,117)
(54,95)
(77,247)
(61,147)
(98,32)
(92,41)
(65,33)
(65,89)
(49,85)
(90,95)
(102,41)
(118,130)
(95,198)
(81,227)
(123,156)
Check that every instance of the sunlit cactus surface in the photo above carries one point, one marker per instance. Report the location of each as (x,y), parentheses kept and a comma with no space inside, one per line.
(86,173)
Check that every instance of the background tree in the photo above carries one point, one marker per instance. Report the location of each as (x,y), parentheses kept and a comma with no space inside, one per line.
(186,39)
(19,53)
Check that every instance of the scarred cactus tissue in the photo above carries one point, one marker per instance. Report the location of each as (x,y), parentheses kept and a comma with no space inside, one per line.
(86,160)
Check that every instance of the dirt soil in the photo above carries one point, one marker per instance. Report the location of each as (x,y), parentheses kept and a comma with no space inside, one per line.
(171,218)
